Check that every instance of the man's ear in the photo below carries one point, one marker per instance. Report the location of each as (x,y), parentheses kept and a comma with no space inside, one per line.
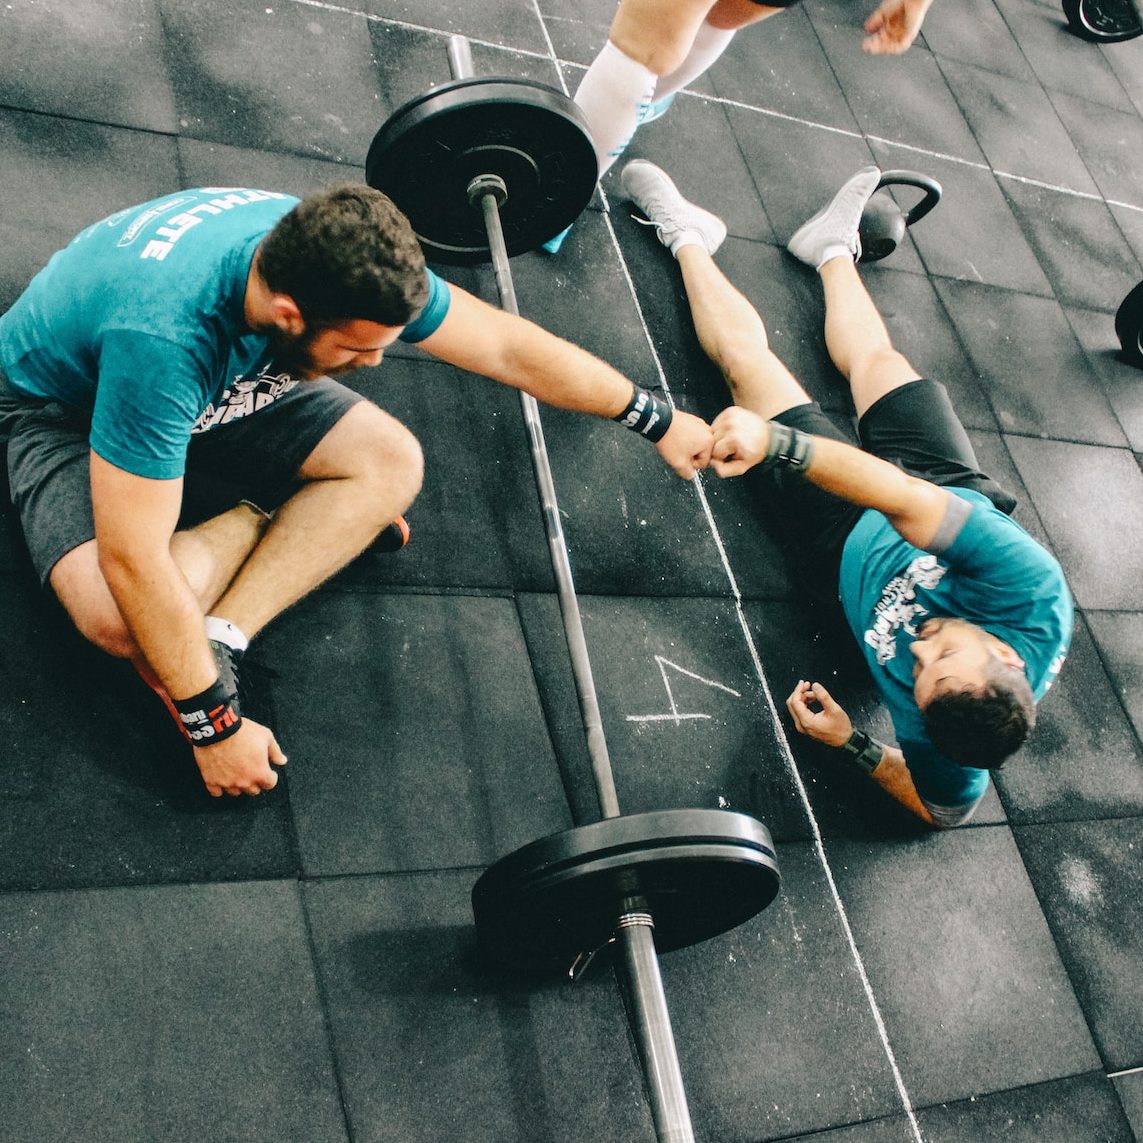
(285,314)
(1007,654)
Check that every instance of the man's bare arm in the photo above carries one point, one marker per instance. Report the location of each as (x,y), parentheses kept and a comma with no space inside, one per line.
(482,339)
(917,509)
(135,518)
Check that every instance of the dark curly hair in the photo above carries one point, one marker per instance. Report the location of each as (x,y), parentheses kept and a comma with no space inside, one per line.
(983,726)
(344,254)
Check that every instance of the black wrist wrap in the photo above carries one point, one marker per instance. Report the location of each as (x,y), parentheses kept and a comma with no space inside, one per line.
(214,714)
(648,415)
(867,752)
(788,448)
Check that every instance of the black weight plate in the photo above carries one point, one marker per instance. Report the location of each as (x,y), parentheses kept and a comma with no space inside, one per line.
(697,872)
(1129,326)
(531,135)
(1104,21)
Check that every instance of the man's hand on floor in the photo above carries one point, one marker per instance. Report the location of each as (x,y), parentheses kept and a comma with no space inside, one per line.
(242,763)
(817,715)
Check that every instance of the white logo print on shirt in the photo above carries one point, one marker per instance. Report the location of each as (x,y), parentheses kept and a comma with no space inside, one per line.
(245,396)
(898,606)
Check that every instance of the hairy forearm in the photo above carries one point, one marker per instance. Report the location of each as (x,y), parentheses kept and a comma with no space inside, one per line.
(893,776)
(165,619)
(559,373)
(914,507)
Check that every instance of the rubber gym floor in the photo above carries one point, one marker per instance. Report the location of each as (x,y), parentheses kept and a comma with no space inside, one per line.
(303,966)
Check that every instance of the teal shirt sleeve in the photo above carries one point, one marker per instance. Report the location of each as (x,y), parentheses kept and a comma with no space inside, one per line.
(939,780)
(428,321)
(149,396)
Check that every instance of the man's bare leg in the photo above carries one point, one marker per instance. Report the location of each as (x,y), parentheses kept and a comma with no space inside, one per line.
(857,339)
(734,337)
(209,556)
(364,473)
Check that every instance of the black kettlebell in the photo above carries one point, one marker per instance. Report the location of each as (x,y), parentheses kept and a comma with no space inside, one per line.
(883,222)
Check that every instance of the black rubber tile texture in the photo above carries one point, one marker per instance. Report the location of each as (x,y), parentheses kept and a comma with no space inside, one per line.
(1017,127)
(433,1043)
(1078,244)
(973,233)
(975,999)
(1107,140)
(476,522)
(780,66)
(1124,61)
(1097,539)
(1038,385)
(686,720)
(1082,1107)
(800,641)
(796,165)
(58,176)
(978,34)
(669,142)
(578,29)
(1062,62)
(631,524)
(1090,885)
(1083,759)
(105,63)
(1119,637)
(96,785)
(1130,1091)
(775,1032)
(1121,381)
(411,60)
(312,87)
(179,1013)
(218,164)
(892,1129)
(427,749)
(503,22)
(903,99)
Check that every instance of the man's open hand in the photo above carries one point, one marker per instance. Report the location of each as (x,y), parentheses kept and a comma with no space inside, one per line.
(242,763)
(894,26)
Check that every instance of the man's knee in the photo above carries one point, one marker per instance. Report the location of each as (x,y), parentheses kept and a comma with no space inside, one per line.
(376,451)
(84,595)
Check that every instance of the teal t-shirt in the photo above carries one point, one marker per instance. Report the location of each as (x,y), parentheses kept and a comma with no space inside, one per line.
(994,575)
(140,322)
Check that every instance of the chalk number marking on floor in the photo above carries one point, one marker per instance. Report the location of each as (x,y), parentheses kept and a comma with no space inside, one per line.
(676,716)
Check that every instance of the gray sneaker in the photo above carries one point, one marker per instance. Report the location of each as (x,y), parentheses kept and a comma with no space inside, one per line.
(678,222)
(832,232)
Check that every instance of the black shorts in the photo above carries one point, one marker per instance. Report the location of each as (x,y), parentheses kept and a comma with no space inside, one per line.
(255,458)
(914,427)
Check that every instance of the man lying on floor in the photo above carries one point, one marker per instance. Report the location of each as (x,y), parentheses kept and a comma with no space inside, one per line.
(160,354)
(963,619)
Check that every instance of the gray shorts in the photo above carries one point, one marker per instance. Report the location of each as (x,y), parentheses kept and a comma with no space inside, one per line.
(255,458)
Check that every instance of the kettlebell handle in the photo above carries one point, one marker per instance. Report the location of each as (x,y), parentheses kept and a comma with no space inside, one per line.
(930,186)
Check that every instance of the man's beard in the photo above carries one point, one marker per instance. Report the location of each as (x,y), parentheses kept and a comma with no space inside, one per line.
(290,353)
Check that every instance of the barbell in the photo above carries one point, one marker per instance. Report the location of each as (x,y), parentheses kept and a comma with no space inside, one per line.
(486,169)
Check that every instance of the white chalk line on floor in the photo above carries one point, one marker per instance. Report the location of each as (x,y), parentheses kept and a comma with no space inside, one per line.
(756,661)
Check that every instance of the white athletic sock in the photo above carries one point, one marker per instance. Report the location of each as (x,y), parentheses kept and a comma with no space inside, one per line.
(709,44)
(612,94)
(223,631)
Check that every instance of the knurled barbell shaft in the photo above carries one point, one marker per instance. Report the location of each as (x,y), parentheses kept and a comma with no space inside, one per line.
(646,998)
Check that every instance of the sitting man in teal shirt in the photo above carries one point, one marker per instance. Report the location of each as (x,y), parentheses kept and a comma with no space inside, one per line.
(182,353)
(963,618)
